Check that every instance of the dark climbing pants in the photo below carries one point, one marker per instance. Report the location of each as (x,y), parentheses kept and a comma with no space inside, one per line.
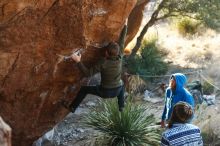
(101,92)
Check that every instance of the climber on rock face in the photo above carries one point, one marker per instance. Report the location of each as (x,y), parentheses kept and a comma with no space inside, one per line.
(110,68)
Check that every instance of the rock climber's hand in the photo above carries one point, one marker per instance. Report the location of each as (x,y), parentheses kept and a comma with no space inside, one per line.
(76,58)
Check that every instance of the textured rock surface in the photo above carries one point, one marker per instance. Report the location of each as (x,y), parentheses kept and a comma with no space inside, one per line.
(32,35)
(5,134)
(207,118)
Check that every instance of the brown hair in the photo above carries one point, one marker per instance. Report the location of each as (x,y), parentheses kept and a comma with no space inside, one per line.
(113,49)
(182,113)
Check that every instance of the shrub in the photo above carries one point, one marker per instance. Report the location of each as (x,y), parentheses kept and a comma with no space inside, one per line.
(187,26)
(149,61)
(207,88)
(127,128)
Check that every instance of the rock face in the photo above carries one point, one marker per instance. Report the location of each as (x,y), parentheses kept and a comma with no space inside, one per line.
(207,118)
(5,134)
(135,19)
(32,36)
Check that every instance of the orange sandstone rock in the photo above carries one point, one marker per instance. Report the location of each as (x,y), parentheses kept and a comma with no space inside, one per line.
(32,36)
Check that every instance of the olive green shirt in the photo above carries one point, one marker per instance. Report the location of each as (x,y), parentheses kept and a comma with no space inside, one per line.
(110,69)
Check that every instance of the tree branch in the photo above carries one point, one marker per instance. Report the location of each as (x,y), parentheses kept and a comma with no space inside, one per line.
(152,20)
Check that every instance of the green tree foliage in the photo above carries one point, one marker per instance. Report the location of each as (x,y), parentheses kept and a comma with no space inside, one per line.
(127,128)
(207,11)
(149,61)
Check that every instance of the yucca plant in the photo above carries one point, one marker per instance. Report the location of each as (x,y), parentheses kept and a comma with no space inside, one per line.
(132,127)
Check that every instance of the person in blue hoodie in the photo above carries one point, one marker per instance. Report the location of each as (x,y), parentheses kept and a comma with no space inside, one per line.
(175,93)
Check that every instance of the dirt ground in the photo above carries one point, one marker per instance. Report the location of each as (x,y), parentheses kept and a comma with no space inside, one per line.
(72,132)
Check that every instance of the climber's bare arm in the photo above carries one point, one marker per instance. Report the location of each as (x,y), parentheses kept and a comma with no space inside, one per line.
(122,37)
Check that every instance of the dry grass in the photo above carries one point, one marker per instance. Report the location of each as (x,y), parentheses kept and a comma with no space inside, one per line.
(199,51)
(136,85)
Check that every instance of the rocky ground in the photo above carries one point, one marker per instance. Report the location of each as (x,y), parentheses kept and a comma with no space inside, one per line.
(72,132)
(208,118)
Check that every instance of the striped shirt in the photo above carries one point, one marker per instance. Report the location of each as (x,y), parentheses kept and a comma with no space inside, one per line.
(182,135)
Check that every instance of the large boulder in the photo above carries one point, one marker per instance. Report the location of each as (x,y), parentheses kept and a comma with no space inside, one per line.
(33,35)
(207,118)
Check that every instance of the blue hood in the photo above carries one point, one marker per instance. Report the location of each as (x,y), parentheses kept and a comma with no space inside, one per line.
(180,81)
